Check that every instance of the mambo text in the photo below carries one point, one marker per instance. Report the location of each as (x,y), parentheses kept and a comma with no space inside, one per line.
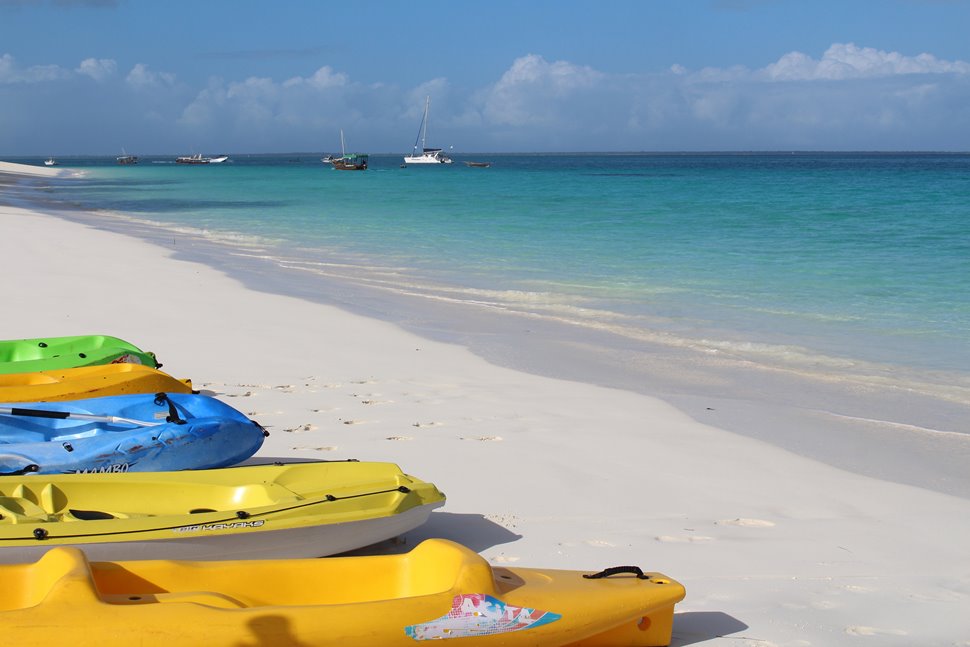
(232,525)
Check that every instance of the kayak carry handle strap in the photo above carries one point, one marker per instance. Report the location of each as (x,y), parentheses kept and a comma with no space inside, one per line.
(617,570)
(173,414)
(32,467)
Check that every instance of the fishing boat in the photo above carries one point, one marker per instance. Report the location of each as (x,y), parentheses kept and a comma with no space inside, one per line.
(352,162)
(282,510)
(88,382)
(125,159)
(438,591)
(124,433)
(427,155)
(53,353)
(198,159)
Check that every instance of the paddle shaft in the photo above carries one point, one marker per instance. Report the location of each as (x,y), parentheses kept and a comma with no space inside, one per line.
(45,413)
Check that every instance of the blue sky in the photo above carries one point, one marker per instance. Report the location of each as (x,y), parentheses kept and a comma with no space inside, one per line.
(212,76)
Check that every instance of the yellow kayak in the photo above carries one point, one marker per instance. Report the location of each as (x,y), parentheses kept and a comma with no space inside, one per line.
(281,510)
(440,590)
(88,382)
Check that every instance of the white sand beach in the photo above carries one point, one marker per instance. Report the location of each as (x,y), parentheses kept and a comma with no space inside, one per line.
(775,549)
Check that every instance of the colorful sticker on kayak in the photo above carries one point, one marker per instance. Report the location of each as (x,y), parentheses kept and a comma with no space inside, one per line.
(478,614)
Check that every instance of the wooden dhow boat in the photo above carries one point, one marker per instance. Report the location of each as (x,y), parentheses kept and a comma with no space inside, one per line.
(125,433)
(283,510)
(438,591)
(88,382)
(51,353)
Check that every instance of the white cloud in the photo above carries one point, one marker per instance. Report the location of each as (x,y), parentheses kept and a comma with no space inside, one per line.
(843,61)
(99,69)
(325,77)
(849,97)
(520,97)
(142,77)
(11,72)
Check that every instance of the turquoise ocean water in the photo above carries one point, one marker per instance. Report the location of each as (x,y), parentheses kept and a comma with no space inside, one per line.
(821,262)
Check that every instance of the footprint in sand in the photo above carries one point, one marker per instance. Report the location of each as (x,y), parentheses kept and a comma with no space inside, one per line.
(425,424)
(399,438)
(747,523)
(314,449)
(506,559)
(301,428)
(238,395)
(482,438)
(599,543)
(351,422)
(855,588)
(860,630)
(685,539)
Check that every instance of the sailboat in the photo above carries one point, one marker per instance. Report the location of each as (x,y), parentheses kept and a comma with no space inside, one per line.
(352,162)
(50,161)
(427,155)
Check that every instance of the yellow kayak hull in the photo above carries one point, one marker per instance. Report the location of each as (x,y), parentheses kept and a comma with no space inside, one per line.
(288,510)
(88,382)
(439,590)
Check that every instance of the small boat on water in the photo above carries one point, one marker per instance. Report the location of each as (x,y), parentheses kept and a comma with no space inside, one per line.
(50,161)
(52,353)
(352,162)
(125,159)
(88,382)
(198,159)
(438,591)
(124,433)
(478,164)
(282,510)
(427,155)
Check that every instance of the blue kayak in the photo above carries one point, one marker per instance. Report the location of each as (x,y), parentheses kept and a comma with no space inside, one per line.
(125,433)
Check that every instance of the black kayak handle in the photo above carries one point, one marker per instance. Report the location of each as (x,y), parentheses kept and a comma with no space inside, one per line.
(617,570)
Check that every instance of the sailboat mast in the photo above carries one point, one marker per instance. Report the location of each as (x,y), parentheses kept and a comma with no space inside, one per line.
(424,136)
(423,128)
(343,153)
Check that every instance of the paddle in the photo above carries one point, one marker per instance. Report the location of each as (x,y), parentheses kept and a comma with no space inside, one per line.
(46,413)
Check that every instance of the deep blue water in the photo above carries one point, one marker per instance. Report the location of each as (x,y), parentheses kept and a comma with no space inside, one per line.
(805,258)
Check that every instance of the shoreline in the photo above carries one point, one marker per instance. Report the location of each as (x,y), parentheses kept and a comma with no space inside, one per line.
(540,470)
(871,428)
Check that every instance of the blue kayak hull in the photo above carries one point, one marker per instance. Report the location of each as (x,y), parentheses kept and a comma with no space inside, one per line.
(201,433)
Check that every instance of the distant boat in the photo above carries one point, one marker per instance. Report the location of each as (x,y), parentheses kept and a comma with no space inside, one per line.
(125,158)
(427,155)
(352,162)
(198,159)
(50,161)
(478,164)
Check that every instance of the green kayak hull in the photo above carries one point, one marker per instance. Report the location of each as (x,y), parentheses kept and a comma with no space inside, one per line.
(51,353)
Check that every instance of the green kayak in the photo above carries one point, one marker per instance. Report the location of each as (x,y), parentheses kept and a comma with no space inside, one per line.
(50,353)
